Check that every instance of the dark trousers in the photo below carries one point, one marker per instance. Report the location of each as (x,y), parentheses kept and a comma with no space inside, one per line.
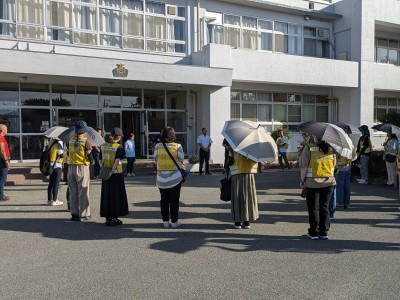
(3,179)
(170,203)
(129,165)
(54,184)
(96,158)
(204,156)
(318,209)
(283,155)
(65,172)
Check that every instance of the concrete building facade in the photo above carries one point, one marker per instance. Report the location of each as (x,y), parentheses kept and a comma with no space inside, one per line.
(142,65)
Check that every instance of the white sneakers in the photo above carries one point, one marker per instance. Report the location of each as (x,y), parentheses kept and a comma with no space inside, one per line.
(166,224)
(55,203)
(130,174)
(362,181)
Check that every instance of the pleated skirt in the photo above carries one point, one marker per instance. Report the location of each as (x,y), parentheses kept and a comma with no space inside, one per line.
(244,206)
(114,202)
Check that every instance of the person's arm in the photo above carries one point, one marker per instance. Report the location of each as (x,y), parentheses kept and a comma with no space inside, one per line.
(304,161)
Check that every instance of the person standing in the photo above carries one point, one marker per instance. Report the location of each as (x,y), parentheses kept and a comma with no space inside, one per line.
(226,146)
(4,161)
(80,153)
(317,164)
(169,178)
(130,154)
(390,146)
(244,207)
(204,141)
(113,202)
(342,178)
(364,148)
(56,153)
(283,144)
(96,157)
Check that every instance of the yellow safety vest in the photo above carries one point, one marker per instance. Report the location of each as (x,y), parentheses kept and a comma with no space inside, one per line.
(53,152)
(366,140)
(321,165)
(77,151)
(345,160)
(164,162)
(242,165)
(108,152)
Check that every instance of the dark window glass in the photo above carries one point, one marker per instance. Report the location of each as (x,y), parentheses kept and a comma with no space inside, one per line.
(35,94)
(35,120)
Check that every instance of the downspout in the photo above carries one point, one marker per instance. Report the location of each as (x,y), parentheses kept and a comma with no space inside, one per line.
(198,26)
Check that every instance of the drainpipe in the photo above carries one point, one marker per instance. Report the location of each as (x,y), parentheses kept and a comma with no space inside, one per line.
(198,25)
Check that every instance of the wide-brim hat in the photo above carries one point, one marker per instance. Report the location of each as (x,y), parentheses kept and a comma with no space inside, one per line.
(80,127)
(116,131)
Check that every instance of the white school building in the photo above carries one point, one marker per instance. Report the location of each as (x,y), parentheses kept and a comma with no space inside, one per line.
(141,65)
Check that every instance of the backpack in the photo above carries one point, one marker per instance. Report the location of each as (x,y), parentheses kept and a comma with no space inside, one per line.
(44,164)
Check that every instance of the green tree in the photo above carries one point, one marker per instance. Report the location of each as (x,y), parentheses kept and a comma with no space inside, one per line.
(275,133)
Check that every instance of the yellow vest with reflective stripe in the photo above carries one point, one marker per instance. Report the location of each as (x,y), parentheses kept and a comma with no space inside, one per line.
(108,152)
(321,165)
(164,162)
(388,144)
(77,151)
(368,149)
(242,165)
(53,152)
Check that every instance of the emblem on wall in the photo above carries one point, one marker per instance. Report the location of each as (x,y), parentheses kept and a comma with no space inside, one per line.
(120,71)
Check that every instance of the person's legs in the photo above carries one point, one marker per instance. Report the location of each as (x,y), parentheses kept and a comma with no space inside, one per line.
(128,165)
(284,155)
(324,221)
(339,187)
(83,180)
(57,178)
(346,188)
(50,187)
(73,191)
(364,167)
(174,202)
(202,157)
(313,214)
(391,170)
(280,160)
(164,204)
(207,161)
(332,203)
(96,158)
(3,179)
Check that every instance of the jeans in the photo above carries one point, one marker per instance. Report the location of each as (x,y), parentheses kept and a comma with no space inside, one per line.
(364,159)
(284,156)
(204,156)
(3,179)
(343,187)
(54,184)
(318,210)
(170,203)
(96,158)
(332,202)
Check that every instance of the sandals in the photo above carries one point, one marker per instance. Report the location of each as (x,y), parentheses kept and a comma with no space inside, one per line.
(113,222)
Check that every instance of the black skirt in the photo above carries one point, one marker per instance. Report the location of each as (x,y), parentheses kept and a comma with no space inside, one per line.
(114,202)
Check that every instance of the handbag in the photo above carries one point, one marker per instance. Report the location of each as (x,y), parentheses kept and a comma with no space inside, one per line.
(104,173)
(390,158)
(183,172)
(303,193)
(225,189)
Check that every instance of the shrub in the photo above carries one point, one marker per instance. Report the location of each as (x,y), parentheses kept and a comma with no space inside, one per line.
(275,133)
(194,159)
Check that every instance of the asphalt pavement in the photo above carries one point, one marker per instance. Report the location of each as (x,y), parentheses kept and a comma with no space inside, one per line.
(45,256)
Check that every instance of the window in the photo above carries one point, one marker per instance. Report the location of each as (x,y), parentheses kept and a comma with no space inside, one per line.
(385,105)
(58,14)
(387,51)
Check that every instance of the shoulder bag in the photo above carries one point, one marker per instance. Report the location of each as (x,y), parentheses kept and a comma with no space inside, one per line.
(183,172)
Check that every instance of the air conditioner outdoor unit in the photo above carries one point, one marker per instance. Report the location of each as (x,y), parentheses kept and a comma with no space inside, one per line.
(171,10)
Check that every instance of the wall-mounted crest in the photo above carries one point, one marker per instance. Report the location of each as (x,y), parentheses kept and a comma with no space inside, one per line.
(120,71)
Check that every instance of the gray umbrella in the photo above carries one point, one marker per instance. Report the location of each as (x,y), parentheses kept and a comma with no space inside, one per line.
(329,133)
(250,140)
(348,128)
(54,132)
(387,128)
(93,136)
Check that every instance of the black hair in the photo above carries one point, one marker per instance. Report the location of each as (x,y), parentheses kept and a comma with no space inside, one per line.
(323,146)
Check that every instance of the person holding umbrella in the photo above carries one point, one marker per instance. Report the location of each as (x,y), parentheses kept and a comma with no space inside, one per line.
(364,148)
(390,146)
(80,153)
(317,163)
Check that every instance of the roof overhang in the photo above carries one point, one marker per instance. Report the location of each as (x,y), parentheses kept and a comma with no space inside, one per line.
(312,14)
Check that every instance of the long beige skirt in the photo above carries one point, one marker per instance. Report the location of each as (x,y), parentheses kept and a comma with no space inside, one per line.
(244,205)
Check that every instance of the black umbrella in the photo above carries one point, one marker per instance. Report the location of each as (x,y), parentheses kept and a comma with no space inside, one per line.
(328,132)
(348,128)
(386,127)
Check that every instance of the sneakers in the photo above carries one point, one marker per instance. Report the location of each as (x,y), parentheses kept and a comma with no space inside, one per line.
(312,237)
(166,224)
(246,225)
(55,203)
(75,218)
(362,181)
(176,224)
(128,174)
(323,236)
(132,174)
(5,198)
(237,225)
